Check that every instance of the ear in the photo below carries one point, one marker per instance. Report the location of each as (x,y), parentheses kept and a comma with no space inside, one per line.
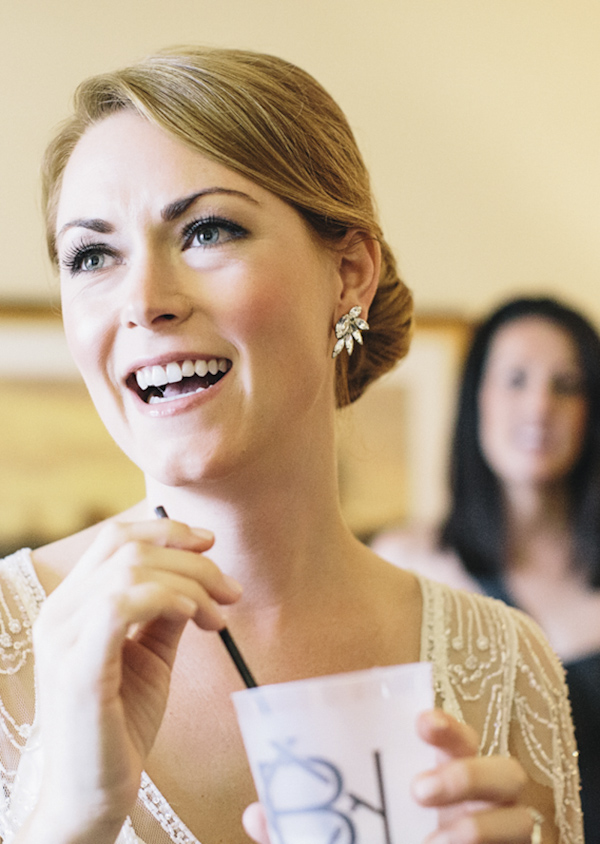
(359,265)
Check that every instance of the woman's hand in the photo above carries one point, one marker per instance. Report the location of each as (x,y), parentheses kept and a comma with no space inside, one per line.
(480,799)
(105,643)
(255,824)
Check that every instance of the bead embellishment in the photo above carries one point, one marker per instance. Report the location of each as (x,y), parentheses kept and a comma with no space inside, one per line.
(161,811)
(348,329)
(495,662)
(491,668)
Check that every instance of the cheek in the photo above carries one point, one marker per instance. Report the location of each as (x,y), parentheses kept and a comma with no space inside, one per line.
(490,439)
(87,339)
(491,411)
(78,333)
(494,424)
(281,307)
(577,426)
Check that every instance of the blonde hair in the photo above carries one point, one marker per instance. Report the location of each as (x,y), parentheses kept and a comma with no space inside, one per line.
(272,122)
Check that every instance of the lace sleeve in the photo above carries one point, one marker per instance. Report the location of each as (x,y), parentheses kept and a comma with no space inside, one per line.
(494,669)
(21,762)
(20,600)
(543,730)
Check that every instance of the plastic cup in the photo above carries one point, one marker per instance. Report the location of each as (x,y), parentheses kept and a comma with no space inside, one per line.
(333,757)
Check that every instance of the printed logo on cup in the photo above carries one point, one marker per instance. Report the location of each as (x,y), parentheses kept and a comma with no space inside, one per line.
(333,757)
(308,794)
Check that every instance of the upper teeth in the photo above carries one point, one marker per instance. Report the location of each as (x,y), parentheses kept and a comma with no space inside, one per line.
(158,376)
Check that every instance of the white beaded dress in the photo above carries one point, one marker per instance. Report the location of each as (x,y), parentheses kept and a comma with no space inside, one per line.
(492,668)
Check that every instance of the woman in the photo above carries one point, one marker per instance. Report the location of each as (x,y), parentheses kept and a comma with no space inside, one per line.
(524,519)
(212,223)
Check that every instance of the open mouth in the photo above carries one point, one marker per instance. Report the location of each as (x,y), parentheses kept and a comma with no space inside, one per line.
(154,384)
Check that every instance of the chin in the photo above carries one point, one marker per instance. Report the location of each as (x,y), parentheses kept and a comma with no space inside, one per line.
(182,473)
(190,470)
(537,479)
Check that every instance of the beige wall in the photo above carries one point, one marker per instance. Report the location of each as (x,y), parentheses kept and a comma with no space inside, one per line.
(480,120)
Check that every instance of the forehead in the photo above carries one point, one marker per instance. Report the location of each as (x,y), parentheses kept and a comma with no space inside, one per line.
(127,159)
(533,340)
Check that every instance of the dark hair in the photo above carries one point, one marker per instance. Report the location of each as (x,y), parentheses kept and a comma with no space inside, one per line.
(475,526)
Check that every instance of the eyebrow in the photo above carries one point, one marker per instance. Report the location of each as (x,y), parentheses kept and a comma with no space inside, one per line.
(94,225)
(175,209)
(169,213)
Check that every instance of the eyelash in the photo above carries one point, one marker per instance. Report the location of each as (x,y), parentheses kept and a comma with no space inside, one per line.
(76,255)
(196,226)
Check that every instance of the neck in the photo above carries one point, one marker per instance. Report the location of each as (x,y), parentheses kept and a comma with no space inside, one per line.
(277,524)
(538,528)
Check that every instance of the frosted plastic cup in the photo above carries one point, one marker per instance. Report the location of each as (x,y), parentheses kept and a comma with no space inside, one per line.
(333,757)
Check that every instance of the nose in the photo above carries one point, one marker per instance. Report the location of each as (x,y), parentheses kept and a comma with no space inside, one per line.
(541,400)
(155,294)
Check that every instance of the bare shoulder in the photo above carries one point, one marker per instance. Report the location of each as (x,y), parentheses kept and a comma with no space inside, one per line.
(386,598)
(54,561)
(396,544)
(416,548)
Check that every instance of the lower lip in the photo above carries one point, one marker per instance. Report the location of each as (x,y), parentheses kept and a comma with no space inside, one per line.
(186,402)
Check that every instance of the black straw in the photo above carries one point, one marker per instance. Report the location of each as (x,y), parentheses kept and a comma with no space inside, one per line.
(225,635)
(240,662)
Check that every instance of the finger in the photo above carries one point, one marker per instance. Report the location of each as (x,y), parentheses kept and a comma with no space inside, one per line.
(102,625)
(134,563)
(496,779)
(160,532)
(159,638)
(512,825)
(137,561)
(99,638)
(109,622)
(443,731)
(255,823)
(157,598)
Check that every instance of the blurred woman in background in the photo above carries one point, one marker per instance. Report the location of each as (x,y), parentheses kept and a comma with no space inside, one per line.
(524,517)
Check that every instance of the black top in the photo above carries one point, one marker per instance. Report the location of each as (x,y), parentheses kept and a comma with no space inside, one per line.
(583,679)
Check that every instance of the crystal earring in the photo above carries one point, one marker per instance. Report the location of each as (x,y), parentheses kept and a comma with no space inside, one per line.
(348,329)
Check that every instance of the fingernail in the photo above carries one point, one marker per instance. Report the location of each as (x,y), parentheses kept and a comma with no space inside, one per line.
(233,584)
(202,533)
(440,837)
(426,787)
(438,719)
(188,606)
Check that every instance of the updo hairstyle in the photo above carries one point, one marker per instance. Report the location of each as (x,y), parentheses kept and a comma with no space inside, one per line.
(272,122)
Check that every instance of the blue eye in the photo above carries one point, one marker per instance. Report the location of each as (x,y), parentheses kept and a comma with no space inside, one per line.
(211,231)
(93,261)
(87,258)
(206,235)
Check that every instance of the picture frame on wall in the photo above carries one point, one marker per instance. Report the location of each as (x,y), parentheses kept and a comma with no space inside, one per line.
(393,442)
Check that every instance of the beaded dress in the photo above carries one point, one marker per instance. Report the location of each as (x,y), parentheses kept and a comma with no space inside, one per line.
(583,680)
(492,668)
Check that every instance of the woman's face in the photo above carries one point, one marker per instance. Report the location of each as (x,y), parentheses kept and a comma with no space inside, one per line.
(532,409)
(176,269)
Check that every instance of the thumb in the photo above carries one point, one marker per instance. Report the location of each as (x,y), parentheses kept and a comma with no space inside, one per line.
(255,823)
